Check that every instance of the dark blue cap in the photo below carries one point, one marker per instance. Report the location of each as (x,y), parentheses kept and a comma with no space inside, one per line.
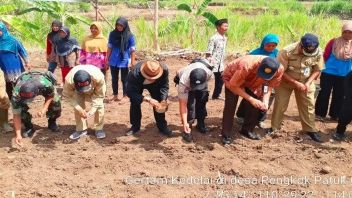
(268,68)
(309,42)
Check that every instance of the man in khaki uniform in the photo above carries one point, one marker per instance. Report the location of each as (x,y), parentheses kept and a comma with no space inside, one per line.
(4,105)
(303,62)
(86,83)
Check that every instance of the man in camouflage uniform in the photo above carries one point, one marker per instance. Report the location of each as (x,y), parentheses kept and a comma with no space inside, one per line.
(27,87)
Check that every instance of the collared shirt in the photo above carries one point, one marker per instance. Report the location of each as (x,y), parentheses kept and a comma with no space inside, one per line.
(297,65)
(217,50)
(115,60)
(97,92)
(242,72)
(184,85)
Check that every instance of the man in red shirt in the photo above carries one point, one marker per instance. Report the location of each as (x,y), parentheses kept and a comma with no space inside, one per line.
(251,77)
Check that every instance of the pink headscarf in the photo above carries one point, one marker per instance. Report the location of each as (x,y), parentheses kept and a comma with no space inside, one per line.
(342,48)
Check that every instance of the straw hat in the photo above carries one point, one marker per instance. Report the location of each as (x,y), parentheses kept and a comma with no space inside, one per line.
(151,70)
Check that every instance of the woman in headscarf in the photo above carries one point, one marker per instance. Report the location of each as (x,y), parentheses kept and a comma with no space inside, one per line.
(121,55)
(94,48)
(267,48)
(50,45)
(67,50)
(338,63)
(12,53)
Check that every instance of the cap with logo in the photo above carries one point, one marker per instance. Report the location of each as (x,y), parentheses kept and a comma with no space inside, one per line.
(198,79)
(268,68)
(82,81)
(28,91)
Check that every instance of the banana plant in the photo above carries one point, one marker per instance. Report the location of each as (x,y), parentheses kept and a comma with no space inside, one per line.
(21,27)
(54,9)
(195,12)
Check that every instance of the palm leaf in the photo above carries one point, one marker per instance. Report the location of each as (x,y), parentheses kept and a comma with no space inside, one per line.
(184,7)
(29,10)
(74,17)
(203,6)
(211,17)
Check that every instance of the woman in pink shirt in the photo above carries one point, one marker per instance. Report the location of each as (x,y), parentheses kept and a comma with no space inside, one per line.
(94,48)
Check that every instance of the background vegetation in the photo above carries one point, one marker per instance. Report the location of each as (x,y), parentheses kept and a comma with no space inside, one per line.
(249,21)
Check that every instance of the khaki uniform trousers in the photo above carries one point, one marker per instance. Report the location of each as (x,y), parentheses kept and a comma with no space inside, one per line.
(4,116)
(305,105)
(81,123)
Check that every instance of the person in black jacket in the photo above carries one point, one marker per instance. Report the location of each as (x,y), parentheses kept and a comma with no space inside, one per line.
(154,77)
(345,116)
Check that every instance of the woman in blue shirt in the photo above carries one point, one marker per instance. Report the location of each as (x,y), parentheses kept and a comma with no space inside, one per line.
(121,53)
(11,52)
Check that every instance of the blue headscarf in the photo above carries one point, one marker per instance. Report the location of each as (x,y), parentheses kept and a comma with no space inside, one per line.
(8,42)
(270,38)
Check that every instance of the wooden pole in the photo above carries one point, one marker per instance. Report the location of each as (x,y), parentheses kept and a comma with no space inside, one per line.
(96,10)
(156,23)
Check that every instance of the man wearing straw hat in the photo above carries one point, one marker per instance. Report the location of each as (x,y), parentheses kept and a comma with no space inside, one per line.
(154,77)
(86,83)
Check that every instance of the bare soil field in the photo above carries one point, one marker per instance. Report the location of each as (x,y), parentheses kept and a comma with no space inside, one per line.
(287,164)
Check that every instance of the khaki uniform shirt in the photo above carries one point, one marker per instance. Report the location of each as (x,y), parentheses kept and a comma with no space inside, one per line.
(97,92)
(298,65)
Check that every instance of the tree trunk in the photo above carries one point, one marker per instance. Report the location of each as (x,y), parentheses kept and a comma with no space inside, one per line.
(156,23)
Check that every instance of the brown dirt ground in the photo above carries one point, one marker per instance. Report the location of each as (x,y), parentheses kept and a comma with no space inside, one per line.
(50,165)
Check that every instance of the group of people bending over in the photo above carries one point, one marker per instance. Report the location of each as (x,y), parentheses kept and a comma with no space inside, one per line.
(254,77)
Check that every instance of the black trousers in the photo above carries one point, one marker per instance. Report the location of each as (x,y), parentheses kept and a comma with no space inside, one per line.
(115,79)
(136,112)
(9,89)
(262,114)
(330,83)
(345,116)
(218,84)
(250,116)
(196,106)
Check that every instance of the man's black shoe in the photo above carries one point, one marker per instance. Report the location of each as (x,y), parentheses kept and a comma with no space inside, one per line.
(226,140)
(251,135)
(314,136)
(28,133)
(187,137)
(202,128)
(52,125)
(131,131)
(166,132)
(339,136)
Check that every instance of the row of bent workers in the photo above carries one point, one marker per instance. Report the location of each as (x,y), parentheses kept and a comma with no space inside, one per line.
(251,77)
